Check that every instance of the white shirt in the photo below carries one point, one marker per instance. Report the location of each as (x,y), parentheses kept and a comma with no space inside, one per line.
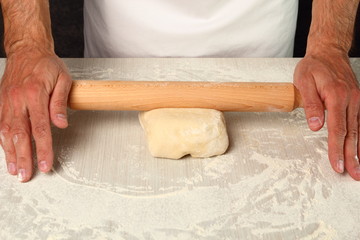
(190,28)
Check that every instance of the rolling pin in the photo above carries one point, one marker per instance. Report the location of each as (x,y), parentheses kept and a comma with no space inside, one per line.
(148,95)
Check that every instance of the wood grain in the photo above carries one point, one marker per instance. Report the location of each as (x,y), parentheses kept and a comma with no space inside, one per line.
(148,95)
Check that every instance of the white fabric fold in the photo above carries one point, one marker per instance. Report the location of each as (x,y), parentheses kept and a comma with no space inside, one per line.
(188,28)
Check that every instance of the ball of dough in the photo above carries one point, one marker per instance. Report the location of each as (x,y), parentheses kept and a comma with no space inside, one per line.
(176,132)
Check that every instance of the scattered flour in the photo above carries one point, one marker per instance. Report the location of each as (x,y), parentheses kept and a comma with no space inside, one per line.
(275,182)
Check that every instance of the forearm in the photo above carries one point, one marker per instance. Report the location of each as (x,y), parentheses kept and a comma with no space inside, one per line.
(27,25)
(332,26)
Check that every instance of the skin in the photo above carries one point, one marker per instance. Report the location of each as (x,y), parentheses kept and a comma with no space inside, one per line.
(34,87)
(326,81)
(36,84)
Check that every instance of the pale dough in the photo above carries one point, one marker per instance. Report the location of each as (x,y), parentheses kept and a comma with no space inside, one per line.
(176,132)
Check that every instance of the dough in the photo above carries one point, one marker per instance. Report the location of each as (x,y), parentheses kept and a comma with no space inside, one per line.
(176,132)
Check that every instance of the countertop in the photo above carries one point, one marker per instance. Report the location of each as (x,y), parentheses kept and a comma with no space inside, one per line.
(274,182)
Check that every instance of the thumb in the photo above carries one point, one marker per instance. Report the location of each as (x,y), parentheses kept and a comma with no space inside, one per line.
(313,106)
(58,101)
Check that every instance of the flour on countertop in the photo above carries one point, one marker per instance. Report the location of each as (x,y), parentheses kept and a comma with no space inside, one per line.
(279,184)
(275,181)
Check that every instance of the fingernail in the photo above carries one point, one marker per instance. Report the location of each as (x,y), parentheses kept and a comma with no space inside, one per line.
(21,175)
(43,166)
(340,166)
(11,168)
(61,117)
(314,122)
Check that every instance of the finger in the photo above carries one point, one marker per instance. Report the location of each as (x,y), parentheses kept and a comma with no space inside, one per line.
(313,106)
(20,134)
(336,122)
(351,140)
(22,143)
(9,149)
(40,128)
(6,140)
(58,101)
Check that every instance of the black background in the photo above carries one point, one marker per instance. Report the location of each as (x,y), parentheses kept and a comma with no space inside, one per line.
(67,27)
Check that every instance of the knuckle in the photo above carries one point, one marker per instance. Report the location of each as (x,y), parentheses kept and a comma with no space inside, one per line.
(10,152)
(40,130)
(20,134)
(33,89)
(4,132)
(65,77)
(14,91)
(59,103)
(352,133)
(339,91)
(4,128)
(312,107)
(338,101)
(340,132)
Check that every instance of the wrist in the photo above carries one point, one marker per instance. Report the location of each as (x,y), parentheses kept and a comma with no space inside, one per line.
(26,47)
(332,27)
(26,26)
(325,49)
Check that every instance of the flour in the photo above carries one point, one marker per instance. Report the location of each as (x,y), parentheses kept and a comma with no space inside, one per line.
(280,187)
(274,182)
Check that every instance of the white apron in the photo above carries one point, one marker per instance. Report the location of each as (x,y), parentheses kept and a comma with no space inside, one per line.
(189,28)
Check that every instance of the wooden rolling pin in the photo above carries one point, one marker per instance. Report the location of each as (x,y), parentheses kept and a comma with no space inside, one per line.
(223,96)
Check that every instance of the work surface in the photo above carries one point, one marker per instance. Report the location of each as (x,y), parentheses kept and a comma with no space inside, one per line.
(275,181)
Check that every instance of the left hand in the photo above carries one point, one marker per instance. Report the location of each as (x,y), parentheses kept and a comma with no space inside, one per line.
(326,80)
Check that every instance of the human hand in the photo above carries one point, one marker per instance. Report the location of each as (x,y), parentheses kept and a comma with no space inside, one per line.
(326,80)
(33,91)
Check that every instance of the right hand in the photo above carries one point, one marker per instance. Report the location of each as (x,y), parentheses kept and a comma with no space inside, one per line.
(33,91)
